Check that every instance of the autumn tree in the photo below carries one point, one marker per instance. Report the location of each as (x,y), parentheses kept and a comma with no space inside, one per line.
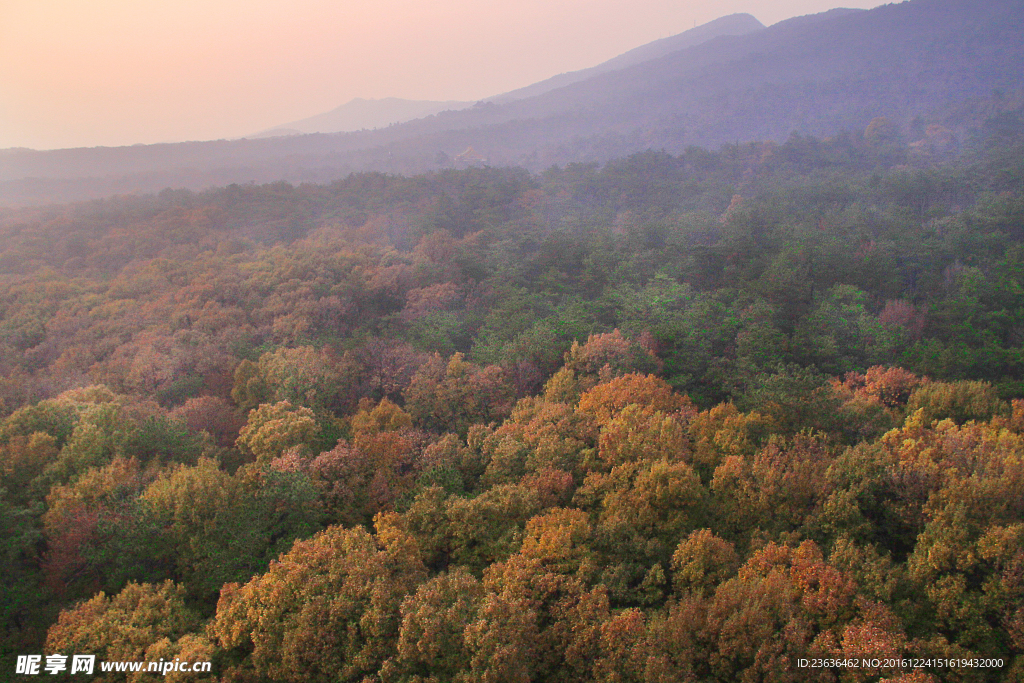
(701,562)
(777,490)
(303,376)
(539,436)
(601,358)
(82,517)
(218,527)
(431,640)
(328,610)
(451,396)
(123,627)
(650,393)
(273,428)
(958,401)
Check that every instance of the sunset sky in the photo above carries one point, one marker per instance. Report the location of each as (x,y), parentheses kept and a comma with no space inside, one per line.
(119,72)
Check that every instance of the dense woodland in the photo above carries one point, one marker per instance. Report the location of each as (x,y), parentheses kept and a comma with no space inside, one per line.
(674,418)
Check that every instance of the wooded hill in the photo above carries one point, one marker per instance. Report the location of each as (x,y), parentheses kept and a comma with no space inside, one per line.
(677,417)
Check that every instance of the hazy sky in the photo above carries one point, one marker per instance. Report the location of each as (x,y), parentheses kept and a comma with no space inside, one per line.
(118,72)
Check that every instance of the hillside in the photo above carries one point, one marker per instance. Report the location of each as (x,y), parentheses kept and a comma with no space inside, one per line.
(677,417)
(923,62)
(732,25)
(592,403)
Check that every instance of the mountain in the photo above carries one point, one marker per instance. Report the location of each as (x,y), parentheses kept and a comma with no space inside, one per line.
(362,114)
(947,62)
(731,25)
(812,75)
(279,132)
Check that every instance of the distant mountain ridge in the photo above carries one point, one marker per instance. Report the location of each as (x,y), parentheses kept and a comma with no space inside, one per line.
(938,61)
(368,114)
(363,114)
(731,25)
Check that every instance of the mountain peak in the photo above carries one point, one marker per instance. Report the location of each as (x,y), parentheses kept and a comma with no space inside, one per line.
(730,25)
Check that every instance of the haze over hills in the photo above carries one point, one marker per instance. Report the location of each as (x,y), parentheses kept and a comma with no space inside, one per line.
(732,25)
(363,114)
(368,114)
(948,62)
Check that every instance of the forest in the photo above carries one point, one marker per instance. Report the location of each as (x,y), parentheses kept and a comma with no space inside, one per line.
(676,417)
